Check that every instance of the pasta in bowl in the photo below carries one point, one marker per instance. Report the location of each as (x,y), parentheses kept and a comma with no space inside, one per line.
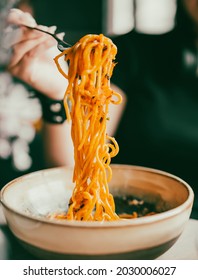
(29,203)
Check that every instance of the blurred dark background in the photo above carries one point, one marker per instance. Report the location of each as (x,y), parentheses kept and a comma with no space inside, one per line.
(75,18)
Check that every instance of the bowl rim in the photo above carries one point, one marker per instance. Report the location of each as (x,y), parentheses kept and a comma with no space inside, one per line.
(107,224)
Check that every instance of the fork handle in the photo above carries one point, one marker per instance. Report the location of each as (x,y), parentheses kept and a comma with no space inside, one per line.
(62,45)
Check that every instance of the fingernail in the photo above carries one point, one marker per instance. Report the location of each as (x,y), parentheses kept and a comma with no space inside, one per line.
(52,28)
(61,35)
(29,19)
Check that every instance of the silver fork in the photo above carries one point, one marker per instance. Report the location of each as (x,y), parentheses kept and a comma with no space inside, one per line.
(62,45)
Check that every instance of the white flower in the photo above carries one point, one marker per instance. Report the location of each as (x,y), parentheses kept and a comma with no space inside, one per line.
(18,113)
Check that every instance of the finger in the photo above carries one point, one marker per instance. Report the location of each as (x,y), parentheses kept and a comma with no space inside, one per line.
(33,34)
(42,27)
(24,34)
(44,49)
(18,17)
(27,69)
(52,29)
(20,49)
(61,35)
(15,36)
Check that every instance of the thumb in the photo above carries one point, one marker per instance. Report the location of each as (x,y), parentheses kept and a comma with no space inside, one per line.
(18,17)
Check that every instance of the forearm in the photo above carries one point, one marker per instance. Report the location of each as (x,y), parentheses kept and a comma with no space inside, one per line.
(57,144)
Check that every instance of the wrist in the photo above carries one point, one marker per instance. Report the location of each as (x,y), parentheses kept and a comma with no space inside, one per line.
(53,110)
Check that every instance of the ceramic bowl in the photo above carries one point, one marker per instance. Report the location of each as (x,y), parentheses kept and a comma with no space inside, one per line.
(29,199)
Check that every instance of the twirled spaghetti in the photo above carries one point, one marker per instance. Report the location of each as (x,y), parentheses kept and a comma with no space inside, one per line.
(91,63)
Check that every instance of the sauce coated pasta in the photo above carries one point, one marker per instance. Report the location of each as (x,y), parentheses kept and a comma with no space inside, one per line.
(87,98)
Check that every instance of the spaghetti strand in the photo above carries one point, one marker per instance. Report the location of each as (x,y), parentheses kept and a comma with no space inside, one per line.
(91,63)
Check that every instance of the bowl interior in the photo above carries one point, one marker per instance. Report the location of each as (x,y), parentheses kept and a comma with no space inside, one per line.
(46,192)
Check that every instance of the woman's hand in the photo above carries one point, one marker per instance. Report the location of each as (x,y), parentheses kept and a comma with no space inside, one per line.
(33,54)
